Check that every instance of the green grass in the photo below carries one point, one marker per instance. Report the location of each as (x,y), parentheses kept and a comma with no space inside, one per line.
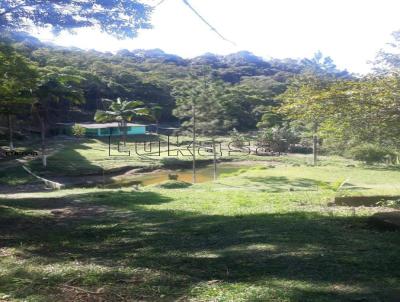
(359,180)
(260,234)
(86,156)
(15,176)
(91,156)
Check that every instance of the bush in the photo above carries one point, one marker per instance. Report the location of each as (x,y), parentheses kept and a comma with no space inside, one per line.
(237,139)
(173,176)
(300,149)
(370,153)
(78,130)
(174,184)
(277,138)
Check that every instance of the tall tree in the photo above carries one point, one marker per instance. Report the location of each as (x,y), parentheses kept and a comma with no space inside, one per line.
(199,108)
(55,85)
(388,60)
(156,113)
(365,110)
(306,100)
(323,65)
(18,78)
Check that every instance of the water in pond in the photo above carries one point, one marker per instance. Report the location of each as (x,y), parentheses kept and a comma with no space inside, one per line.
(202,175)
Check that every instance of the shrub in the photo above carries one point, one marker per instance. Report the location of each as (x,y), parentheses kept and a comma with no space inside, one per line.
(277,138)
(78,130)
(174,184)
(237,139)
(300,149)
(173,176)
(370,153)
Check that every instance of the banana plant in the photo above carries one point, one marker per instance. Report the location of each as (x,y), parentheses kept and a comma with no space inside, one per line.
(122,112)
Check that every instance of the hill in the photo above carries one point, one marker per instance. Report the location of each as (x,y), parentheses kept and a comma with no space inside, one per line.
(152,75)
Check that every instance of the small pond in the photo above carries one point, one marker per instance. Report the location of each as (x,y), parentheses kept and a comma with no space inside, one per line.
(203,174)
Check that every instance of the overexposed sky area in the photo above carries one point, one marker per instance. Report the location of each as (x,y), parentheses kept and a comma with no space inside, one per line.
(350,31)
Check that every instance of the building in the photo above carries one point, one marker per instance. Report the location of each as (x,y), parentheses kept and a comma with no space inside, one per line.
(107,129)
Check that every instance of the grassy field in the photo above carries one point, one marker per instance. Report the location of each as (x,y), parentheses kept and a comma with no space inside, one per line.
(88,156)
(262,233)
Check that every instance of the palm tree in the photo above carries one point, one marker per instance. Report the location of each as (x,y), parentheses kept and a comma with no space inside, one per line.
(122,112)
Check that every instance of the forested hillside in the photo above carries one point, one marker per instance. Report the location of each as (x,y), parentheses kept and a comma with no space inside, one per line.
(246,83)
(307,101)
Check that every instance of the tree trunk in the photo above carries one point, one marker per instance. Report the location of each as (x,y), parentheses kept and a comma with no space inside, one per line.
(156,126)
(194,142)
(315,149)
(215,159)
(43,136)
(10,130)
(125,129)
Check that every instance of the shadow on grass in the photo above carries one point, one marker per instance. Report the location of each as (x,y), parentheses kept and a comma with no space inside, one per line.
(278,184)
(15,179)
(149,254)
(68,161)
(381,167)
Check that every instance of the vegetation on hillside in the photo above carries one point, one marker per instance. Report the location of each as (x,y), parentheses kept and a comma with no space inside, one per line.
(310,98)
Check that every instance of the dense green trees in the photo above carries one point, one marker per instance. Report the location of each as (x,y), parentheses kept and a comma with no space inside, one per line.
(55,85)
(152,76)
(17,81)
(306,100)
(202,99)
(366,110)
(309,97)
(221,106)
(347,113)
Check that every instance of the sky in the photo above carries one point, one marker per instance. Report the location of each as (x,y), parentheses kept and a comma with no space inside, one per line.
(351,32)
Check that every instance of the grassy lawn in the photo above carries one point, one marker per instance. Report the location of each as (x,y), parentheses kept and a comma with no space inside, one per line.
(88,156)
(15,176)
(258,234)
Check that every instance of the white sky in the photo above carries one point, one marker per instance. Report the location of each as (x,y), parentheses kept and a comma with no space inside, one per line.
(350,31)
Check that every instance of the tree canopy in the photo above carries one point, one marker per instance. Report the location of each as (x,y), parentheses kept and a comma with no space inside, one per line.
(119,18)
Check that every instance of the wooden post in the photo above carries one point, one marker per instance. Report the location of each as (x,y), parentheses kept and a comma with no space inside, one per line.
(194,141)
(10,128)
(315,149)
(215,159)
(102,173)
(43,136)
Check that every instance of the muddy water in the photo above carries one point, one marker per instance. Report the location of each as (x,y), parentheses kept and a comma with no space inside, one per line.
(202,175)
